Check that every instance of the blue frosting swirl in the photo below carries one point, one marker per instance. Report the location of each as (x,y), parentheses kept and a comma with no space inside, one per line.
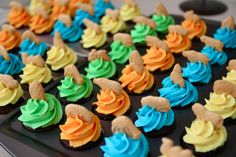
(215,56)
(178,96)
(101,6)
(81,15)
(150,119)
(11,67)
(120,145)
(32,48)
(197,72)
(226,36)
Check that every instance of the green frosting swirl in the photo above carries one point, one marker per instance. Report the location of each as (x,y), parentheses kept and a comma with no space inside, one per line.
(140,32)
(100,69)
(73,91)
(163,22)
(119,52)
(41,113)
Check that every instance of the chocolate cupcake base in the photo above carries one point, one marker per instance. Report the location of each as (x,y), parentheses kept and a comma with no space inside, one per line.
(179,107)
(229,121)
(145,92)
(10,107)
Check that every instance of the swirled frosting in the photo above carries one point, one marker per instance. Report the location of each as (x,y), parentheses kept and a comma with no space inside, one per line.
(41,25)
(197,72)
(58,58)
(19,17)
(10,40)
(32,48)
(72,91)
(178,96)
(100,69)
(203,137)
(119,52)
(120,145)
(74,7)
(163,22)
(41,113)
(222,104)
(108,24)
(79,132)
(215,56)
(129,13)
(101,6)
(8,95)
(80,15)
(157,58)
(11,67)
(58,9)
(231,76)
(226,36)
(136,82)
(150,119)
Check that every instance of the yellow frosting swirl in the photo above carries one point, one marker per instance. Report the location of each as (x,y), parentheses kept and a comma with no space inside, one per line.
(58,58)
(128,13)
(203,136)
(38,4)
(231,76)
(108,24)
(9,96)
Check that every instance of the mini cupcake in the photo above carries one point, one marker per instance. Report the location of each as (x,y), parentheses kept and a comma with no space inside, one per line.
(129,10)
(10,64)
(135,76)
(100,65)
(126,140)
(68,29)
(207,135)
(74,6)
(178,91)
(214,50)
(198,69)
(162,19)
(18,15)
(112,22)
(227,33)
(93,35)
(10,94)
(194,25)
(60,7)
(82,129)
(101,6)
(144,27)
(32,45)
(75,87)
(155,118)
(9,37)
(112,100)
(158,56)
(231,75)
(45,4)
(121,48)
(177,39)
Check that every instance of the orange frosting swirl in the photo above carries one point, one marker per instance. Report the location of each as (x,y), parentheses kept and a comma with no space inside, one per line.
(40,24)
(157,58)
(177,43)
(74,6)
(194,28)
(19,17)
(10,40)
(60,9)
(79,132)
(111,103)
(136,82)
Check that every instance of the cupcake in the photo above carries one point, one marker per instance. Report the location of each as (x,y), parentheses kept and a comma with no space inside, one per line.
(101,6)
(181,93)
(194,25)
(45,4)
(155,118)
(74,6)
(60,7)
(82,129)
(144,27)
(227,33)
(112,22)
(214,50)
(129,10)
(231,75)
(10,94)
(158,56)
(162,19)
(135,76)
(9,37)
(177,39)
(112,100)
(93,35)
(68,29)
(121,48)
(100,65)
(198,68)
(126,140)
(41,22)
(207,134)
(75,87)
(18,15)
(10,64)
(32,45)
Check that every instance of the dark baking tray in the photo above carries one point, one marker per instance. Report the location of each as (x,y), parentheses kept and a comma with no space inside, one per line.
(22,142)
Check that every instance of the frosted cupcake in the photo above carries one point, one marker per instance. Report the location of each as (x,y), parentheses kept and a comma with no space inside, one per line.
(60,7)
(126,140)
(231,75)
(112,100)
(101,6)
(129,10)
